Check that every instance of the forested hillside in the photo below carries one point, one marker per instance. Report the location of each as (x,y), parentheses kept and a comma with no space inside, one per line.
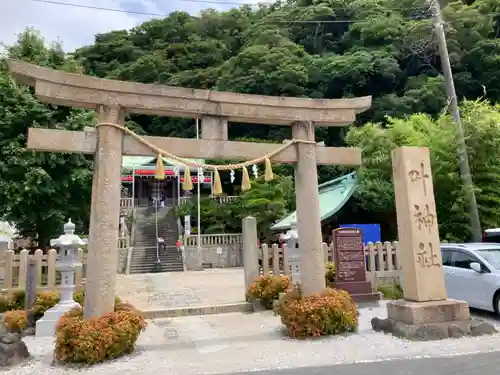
(305,48)
(320,49)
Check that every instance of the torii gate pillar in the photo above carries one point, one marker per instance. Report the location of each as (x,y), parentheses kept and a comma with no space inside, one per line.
(102,258)
(312,265)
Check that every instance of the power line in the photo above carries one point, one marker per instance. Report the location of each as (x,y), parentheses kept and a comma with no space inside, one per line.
(116,10)
(422,16)
(341,21)
(215,2)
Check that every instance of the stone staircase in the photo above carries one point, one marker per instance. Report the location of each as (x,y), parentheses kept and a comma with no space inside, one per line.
(144,257)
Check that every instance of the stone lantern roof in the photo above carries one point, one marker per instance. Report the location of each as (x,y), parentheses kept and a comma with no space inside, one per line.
(69,238)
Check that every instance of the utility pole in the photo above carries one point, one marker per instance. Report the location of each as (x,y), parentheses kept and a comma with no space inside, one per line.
(455,113)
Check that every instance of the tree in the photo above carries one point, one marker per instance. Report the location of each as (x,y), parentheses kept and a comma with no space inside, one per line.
(318,49)
(40,191)
(266,201)
(482,126)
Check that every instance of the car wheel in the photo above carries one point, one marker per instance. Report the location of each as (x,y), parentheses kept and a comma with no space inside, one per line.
(496,302)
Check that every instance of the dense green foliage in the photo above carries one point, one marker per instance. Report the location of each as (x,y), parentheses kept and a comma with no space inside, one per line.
(307,48)
(39,191)
(266,201)
(482,127)
(383,48)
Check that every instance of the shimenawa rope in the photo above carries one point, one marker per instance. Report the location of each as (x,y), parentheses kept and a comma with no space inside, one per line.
(188,184)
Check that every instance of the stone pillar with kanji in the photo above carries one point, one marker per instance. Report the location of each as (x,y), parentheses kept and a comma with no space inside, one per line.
(425,313)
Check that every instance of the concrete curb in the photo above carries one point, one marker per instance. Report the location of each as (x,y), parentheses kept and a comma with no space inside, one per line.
(198,310)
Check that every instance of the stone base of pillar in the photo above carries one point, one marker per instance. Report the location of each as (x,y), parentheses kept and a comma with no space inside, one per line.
(360,291)
(433,320)
(46,326)
(194,258)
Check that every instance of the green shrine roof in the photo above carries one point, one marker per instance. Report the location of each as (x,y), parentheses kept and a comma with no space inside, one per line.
(136,162)
(333,195)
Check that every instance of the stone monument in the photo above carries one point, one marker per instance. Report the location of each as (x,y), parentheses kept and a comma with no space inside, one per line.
(250,251)
(292,237)
(349,254)
(67,246)
(425,313)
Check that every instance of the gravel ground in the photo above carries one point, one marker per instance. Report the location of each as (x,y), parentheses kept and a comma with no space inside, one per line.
(216,344)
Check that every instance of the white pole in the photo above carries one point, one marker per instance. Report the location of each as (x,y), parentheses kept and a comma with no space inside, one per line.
(133,187)
(198,240)
(178,185)
(156,220)
(212,184)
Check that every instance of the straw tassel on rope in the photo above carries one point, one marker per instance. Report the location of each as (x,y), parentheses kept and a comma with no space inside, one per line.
(160,169)
(217,183)
(268,173)
(188,182)
(245,179)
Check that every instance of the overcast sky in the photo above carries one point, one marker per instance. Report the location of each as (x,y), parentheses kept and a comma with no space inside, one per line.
(76,26)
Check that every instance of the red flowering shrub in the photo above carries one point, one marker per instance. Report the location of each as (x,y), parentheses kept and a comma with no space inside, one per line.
(331,312)
(15,320)
(43,302)
(268,288)
(99,338)
(330,273)
(15,317)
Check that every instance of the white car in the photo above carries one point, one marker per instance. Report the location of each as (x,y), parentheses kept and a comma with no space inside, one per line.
(472,274)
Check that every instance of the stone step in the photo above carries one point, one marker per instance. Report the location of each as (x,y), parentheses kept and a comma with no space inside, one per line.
(152,244)
(142,250)
(228,308)
(155,269)
(153,233)
(153,252)
(152,228)
(153,264)
(153,260)
(153,255)
(165,236)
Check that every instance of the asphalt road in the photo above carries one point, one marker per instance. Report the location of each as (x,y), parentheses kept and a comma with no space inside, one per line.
(475,364)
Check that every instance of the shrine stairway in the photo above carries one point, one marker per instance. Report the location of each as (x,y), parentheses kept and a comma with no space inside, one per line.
(144,255)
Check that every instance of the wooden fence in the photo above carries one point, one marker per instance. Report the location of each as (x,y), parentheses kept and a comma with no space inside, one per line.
(382,261)
(13,267)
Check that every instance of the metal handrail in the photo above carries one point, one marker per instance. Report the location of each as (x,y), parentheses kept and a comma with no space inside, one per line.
(157,244)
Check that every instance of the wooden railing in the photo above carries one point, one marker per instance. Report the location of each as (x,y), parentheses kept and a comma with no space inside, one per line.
(382,261)
(208,240)
(126,204)
(13,267)
(220,199)
(124,242)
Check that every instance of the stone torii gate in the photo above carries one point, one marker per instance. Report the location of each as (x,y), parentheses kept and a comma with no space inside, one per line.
(113,99)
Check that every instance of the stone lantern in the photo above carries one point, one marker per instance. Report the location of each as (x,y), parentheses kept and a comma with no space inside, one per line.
(67,246)
(292,243)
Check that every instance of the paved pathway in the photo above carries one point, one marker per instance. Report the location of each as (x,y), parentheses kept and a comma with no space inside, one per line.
(474,364)
(238,342)
(158,291)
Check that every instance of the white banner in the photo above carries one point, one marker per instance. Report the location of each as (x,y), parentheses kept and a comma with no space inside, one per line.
(187,225)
